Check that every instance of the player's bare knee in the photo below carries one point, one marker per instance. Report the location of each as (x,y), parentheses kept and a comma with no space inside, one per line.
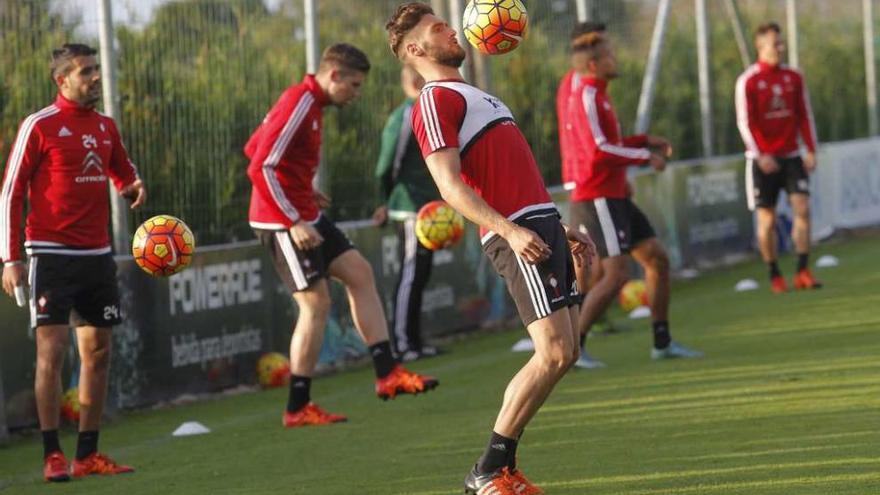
(556,359)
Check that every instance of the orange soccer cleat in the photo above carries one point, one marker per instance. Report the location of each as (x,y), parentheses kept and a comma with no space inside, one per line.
(521,484)
(778,285)
(495,483)
(55,467)
(310,415)
(97,463)
(804,279)
(403,381)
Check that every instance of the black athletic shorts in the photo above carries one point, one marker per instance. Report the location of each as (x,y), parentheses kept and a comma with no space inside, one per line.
(537,290)
(298,268)
(762,190)
(616,225)
(74,290)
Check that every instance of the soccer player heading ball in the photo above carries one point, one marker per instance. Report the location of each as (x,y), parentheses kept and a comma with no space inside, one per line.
(484,168)
(307,247)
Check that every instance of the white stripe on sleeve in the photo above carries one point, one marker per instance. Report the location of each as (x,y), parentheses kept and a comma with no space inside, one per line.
(742,113)
(293,123)
(7,223)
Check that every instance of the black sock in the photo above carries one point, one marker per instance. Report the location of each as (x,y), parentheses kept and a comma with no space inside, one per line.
(86,444)
(383,359)
(774,269)
(583,339)
(661,335)
(50,442)
(300,392)
(497,454)
(511,457)
(803,261)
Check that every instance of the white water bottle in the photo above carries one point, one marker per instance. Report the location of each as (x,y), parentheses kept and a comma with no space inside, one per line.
(20,296)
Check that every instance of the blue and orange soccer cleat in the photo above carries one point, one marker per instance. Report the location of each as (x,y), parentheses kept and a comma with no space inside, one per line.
(55,467)
(97,463)
(403,381)
(310,415)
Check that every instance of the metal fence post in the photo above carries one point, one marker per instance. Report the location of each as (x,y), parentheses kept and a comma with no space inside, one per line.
(705,76)
(646,98)
(870,65)
(583,12)
(736,24)
(118,205)
(791,20)
(310,13)
(455,12)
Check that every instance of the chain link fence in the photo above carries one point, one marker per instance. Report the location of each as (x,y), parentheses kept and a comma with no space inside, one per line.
(196,76)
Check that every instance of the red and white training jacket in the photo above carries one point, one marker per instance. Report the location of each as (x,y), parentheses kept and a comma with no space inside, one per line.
(772,110)
(284,154)
(597,131)
(62,158)
(574,158)
(496,160)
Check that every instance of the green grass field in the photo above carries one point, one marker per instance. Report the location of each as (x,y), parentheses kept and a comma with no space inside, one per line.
(786,402)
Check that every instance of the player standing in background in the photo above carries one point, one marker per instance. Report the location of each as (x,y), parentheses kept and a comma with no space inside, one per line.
(574,162)
(62,158)
(306,246)
(406,186)
(484,168)
(772,110)
(601,201)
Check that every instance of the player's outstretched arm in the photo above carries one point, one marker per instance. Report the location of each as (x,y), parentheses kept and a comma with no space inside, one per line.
(445,167)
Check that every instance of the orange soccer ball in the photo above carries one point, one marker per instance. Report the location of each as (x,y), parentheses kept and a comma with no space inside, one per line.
(163,246)
(495,26)
(438,225)
(273,370)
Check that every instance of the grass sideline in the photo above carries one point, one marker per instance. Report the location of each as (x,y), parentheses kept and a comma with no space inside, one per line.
(786,402)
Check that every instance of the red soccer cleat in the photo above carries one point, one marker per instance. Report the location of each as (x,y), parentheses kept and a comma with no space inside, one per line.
(521,484)
(403,381)
(804,280)
(55,467)
(310,415)
(778,285)
(97,463)
(495,483)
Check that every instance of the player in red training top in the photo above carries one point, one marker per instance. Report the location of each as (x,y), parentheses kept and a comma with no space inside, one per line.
(772,110)
(484,168)
(62,158)
(575,161)
(601,202)
(306,246)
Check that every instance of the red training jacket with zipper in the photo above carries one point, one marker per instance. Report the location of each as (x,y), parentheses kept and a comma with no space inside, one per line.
(62,158)
(284,153)
(772,110)
(597,130)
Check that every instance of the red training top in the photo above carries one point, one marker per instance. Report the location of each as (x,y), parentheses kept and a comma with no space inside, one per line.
(597,131)
(62,156)
(285,151)
(496,160)
(772,109)
(573,156)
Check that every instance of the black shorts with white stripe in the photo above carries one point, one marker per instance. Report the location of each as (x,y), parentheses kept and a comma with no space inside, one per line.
(298,268)
(537,290)
(762,190)
(77,290)
(616,224)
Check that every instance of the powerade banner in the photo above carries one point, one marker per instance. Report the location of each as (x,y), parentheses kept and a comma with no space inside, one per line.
(203,329)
